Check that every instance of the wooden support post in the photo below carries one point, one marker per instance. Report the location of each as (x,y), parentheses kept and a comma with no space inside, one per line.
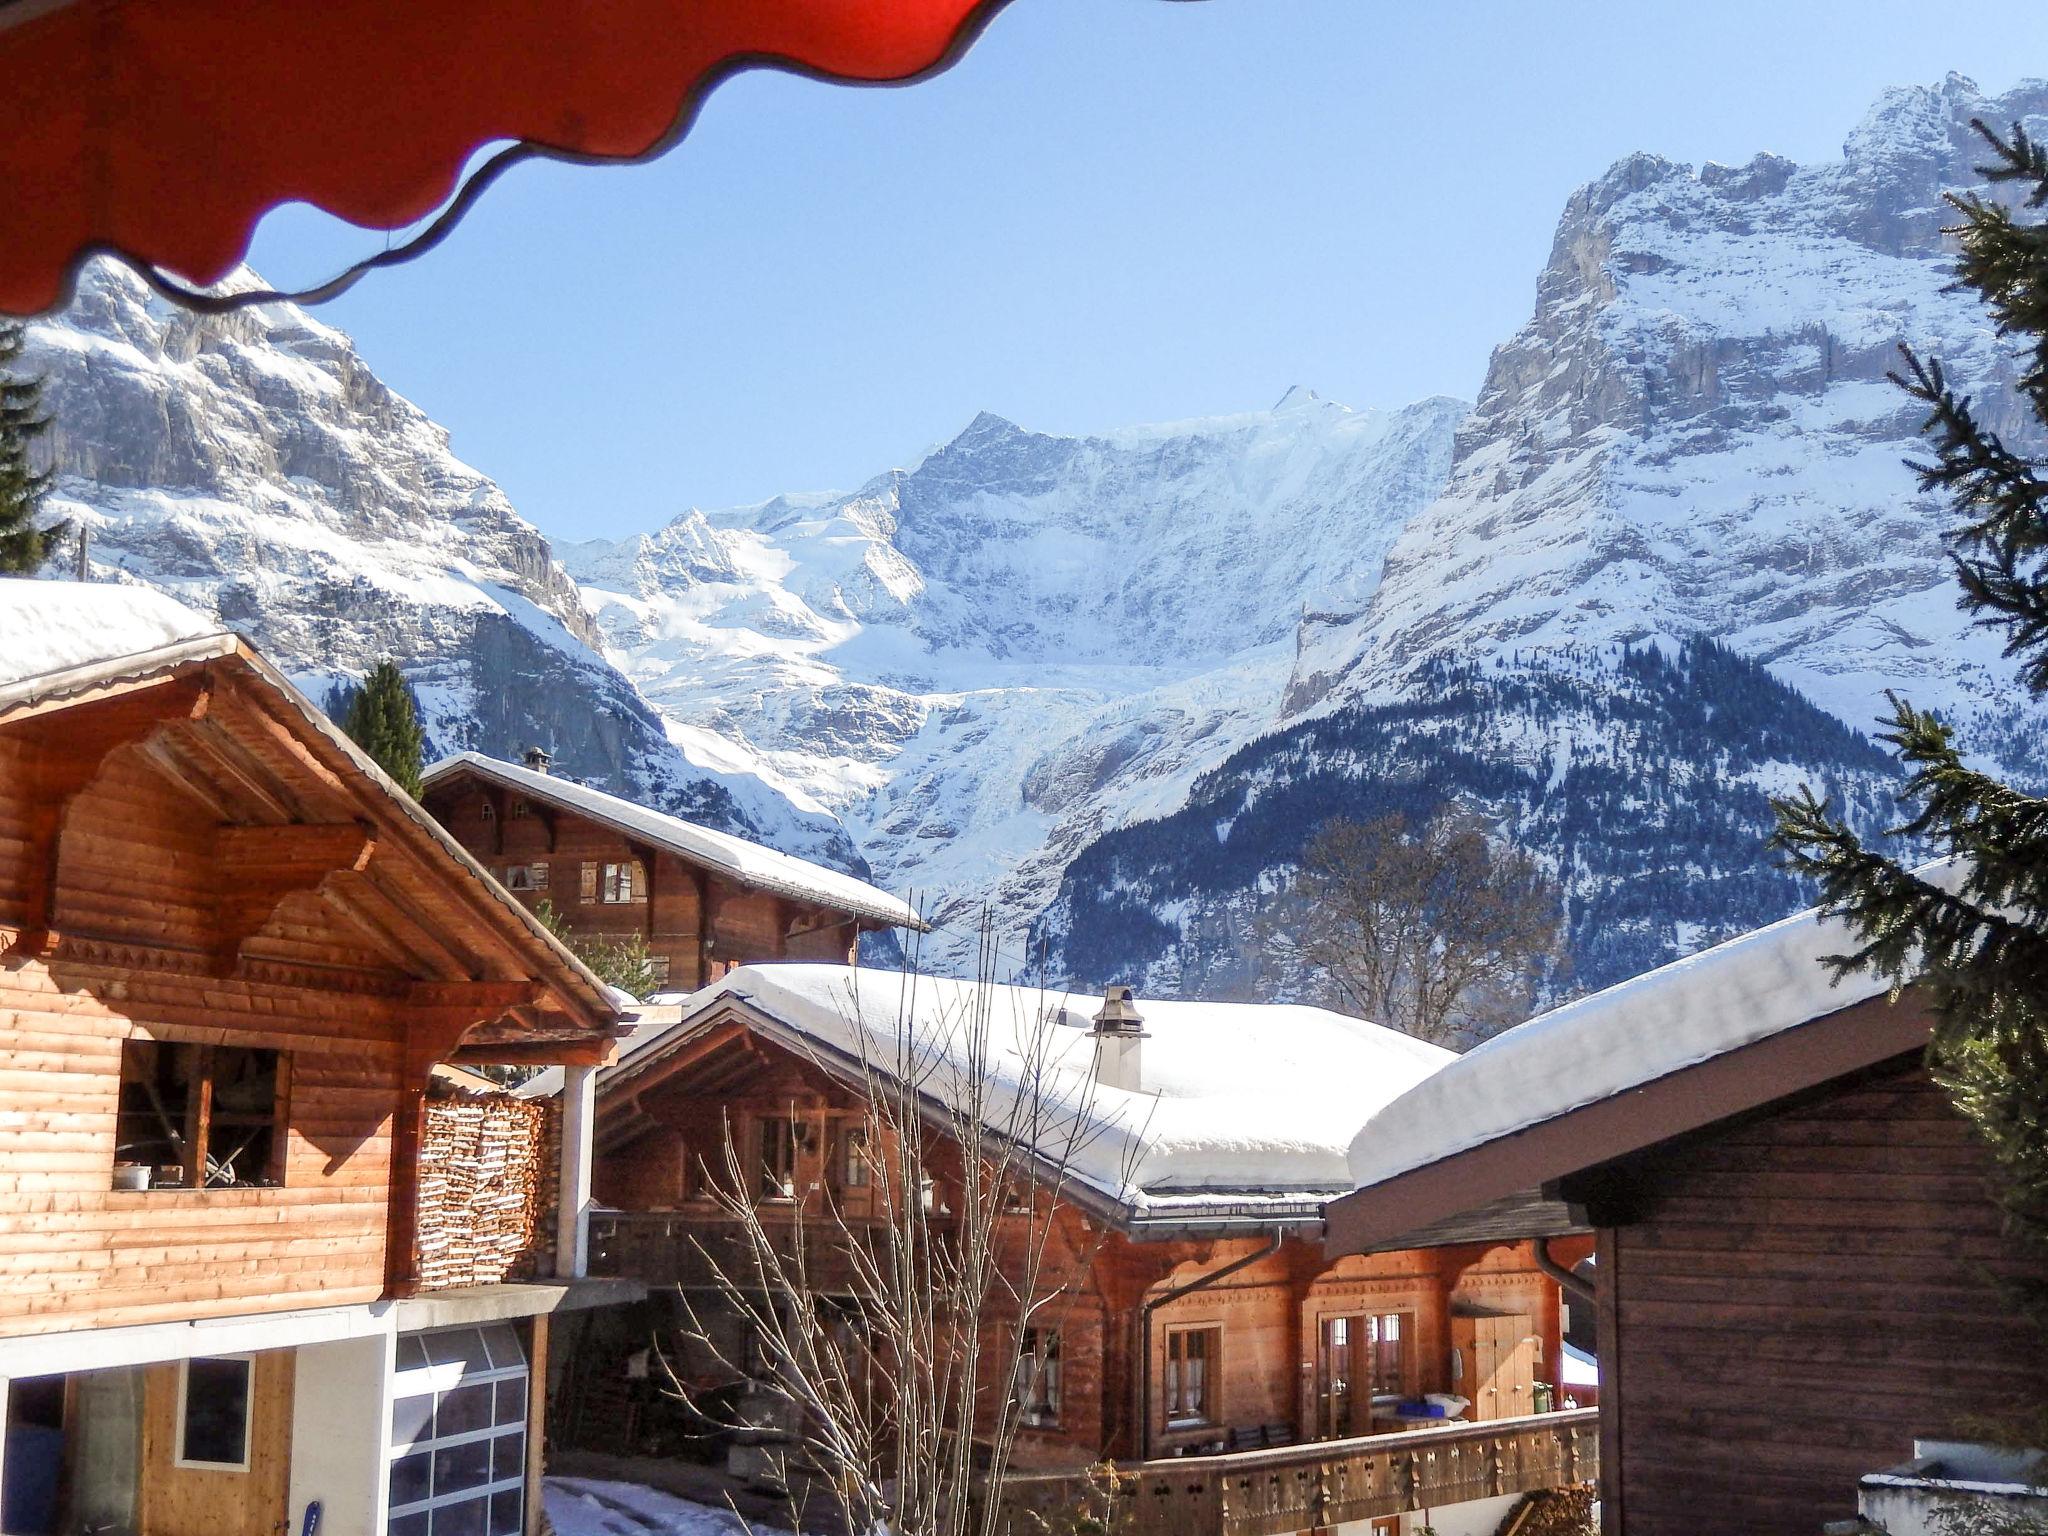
(572,1209)
(537,1422)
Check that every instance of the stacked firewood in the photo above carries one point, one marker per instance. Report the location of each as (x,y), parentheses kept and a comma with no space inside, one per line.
(483,1182)
(1552,1512)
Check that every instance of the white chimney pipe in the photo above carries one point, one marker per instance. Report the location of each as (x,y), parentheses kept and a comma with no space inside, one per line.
(1120,1037)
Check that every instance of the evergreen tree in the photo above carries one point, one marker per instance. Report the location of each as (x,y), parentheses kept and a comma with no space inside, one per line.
(382,718)
(23,545)
(1977,942)
(619,962)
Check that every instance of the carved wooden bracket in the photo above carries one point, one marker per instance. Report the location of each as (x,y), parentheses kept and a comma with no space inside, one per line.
(260,866)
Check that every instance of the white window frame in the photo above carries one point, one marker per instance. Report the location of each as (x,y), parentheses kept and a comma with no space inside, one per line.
(179,1458)
(444,1377)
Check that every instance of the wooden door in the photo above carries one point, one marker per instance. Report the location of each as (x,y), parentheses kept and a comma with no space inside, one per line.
(208,1501)
(1502,1371)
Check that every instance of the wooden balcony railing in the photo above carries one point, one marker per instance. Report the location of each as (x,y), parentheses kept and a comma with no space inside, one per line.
(670,1248)
(1323,1483)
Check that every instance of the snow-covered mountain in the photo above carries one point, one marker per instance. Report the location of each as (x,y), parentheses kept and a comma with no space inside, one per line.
(982,662)
(1693,436)
(254,467)
(1109,684)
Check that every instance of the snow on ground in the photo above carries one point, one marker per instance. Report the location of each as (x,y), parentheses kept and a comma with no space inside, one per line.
(581,1506)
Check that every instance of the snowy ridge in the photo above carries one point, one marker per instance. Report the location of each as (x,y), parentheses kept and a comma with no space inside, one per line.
(982,661)
(1695,435)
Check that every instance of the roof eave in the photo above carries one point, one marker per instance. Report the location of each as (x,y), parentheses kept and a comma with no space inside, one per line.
(1537,1156)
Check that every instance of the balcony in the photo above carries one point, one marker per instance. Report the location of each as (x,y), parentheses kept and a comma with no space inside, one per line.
(1323,1483)
(690,1248)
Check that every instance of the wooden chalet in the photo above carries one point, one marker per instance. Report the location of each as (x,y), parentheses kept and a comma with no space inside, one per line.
(703,901)
(232,953)
(1799,1261)
(1251,1384)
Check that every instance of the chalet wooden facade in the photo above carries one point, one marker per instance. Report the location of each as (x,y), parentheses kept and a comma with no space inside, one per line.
(233,954)
(703,901)
(1799,1261)
(1205,1334)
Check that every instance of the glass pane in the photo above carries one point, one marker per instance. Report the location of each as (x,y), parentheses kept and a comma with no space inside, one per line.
(216,1423)
(409,1525)
(508,1456)
(463,1410)
(457,1467)
(503,1344)
(411,1353)
(411,1478)
(505,1513)
(512,1401)
(465,1519)
(463,1344)
(411,1418)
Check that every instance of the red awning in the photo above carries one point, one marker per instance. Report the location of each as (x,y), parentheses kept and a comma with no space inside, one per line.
(162,130)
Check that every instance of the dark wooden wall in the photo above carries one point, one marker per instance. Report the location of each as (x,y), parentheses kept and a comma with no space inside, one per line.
(1790,1299)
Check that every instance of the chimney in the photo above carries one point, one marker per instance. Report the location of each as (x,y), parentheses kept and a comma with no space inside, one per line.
(538,760)
(1120,1037)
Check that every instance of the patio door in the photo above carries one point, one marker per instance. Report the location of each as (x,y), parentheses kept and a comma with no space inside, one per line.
(1342,1378)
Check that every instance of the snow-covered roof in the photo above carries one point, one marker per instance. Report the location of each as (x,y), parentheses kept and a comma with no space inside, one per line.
(750,864)
(1651,1026)
(1245,1109)
(65,638)
(55,627)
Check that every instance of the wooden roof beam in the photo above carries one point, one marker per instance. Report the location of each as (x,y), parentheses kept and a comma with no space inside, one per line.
(231,762)
(364,899)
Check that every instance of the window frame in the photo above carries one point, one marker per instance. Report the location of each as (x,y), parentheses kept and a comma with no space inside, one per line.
(1207,1415)
(202,1121)
(619,883)
(178,1457)
(1047,1377)
(439,1379)
(782,1127)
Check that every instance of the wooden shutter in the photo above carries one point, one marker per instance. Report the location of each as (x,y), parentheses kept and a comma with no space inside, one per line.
(589,892)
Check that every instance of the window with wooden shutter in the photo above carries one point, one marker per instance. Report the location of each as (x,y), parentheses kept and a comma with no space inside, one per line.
(589,892)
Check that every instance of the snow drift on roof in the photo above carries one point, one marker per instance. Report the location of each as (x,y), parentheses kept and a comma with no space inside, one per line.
(1241,1099)
(1648,1027)
(54,626)
(751,864)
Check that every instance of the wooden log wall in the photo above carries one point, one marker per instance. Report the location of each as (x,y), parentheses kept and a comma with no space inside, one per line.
(699,922)
(1794,1298)
(135,862)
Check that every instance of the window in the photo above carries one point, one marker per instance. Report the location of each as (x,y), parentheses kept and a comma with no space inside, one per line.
(458,1433)
(520,809)
(200,1116)
(1392,1336)
(526,877)
(853,1157)
(1038,1377)
(213,1412)
(657,967)
(778,1158)
(487,812)
(1191,1355)
(620,882)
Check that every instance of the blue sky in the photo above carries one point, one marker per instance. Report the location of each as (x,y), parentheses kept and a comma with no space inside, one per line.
(1111,211)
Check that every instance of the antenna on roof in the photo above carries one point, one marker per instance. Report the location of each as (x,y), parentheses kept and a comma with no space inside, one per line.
(539,759)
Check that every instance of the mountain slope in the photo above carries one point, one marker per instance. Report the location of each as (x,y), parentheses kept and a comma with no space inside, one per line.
(254,467)
(982,661)
(1693,436)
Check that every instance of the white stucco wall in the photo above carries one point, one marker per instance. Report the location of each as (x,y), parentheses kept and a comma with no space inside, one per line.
(341,1428)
